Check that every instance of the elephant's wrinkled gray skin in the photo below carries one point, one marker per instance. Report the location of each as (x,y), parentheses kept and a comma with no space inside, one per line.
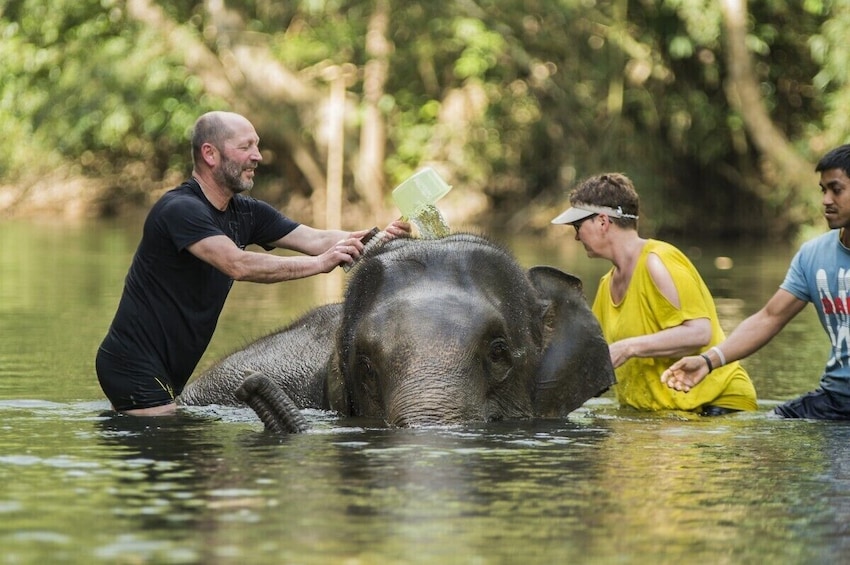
(437,331)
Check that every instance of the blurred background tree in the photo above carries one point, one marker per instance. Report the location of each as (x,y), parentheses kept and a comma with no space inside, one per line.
(718,113)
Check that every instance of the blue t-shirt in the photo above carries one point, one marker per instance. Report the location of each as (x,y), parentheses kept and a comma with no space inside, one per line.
(172,300)
(820,274)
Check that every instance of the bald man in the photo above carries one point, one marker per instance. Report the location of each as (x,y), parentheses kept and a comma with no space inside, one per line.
(193,247)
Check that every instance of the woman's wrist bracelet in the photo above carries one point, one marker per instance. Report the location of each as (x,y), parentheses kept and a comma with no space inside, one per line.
(719,355)
(707,362)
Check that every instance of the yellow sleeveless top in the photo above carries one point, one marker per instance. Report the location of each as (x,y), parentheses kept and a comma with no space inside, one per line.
(645,310)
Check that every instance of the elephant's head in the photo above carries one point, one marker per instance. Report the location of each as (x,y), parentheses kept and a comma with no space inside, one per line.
(454,330)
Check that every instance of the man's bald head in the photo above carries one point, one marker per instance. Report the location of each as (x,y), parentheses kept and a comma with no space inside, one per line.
(214,128)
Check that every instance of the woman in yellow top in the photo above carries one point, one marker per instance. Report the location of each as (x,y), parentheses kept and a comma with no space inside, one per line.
(653,306)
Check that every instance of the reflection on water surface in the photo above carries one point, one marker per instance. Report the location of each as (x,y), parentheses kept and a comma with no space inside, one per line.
(83,485)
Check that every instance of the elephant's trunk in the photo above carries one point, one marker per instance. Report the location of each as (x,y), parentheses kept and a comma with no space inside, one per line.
(420,403)
(272,405)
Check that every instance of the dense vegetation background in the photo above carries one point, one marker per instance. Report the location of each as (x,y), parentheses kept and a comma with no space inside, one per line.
(717,108)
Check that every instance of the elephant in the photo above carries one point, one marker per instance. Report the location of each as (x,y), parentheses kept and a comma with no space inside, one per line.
(430,332)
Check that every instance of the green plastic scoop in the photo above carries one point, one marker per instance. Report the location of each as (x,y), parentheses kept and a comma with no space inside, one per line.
(416,197)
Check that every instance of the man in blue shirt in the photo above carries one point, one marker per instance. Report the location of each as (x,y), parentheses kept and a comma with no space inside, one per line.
(192,249)
(818,274)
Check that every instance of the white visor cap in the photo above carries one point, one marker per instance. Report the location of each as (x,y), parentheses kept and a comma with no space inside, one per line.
(580,211)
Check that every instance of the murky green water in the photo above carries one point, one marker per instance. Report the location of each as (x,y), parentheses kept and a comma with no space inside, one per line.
(80,485)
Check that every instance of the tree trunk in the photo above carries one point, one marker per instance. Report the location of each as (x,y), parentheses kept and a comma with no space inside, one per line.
(336,149)
(373,136)
(247,76)
(792,174)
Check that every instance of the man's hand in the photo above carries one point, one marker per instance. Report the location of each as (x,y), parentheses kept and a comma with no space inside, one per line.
(686,373)
(398,228)
(343,252)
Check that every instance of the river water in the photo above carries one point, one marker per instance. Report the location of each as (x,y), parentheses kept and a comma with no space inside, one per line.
(606,485)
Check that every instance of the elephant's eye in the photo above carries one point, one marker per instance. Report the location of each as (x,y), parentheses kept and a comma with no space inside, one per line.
(364,365)
(499,360)
(366,372)
(499,351)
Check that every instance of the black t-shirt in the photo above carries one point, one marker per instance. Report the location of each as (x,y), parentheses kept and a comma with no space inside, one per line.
(172,300)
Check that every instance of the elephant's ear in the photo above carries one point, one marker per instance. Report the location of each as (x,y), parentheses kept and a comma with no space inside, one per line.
(575,365)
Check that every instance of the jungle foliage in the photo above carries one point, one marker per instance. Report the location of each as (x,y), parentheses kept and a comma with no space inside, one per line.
(718,120)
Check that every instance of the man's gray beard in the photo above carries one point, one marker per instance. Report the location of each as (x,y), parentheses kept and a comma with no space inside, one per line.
(242,186)
(230,175)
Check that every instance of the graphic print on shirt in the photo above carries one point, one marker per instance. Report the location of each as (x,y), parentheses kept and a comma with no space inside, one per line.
(239,220)
(835,311)
(233,233)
